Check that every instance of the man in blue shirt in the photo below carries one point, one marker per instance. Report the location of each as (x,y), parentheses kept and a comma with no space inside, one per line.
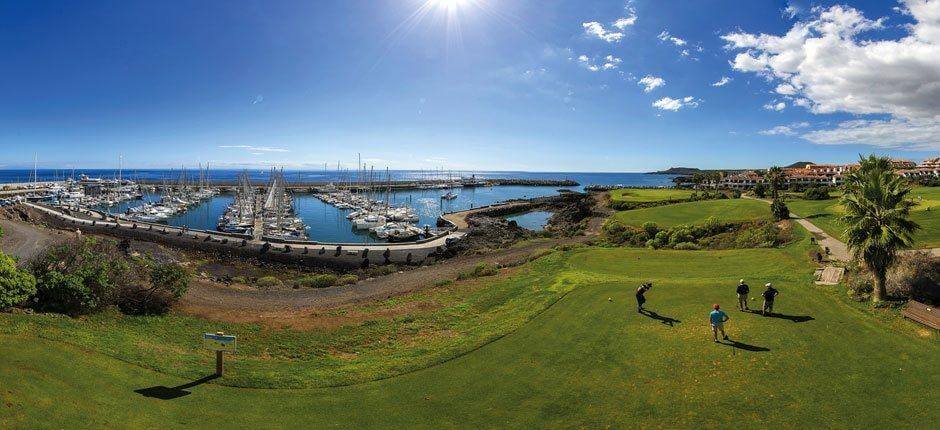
(717,318)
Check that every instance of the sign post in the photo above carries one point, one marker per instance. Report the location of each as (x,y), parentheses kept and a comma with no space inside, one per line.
(220,343)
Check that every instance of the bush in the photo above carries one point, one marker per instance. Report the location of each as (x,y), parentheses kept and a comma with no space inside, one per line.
(915,276)
(481,270)
(779,210)
(318,281)
(650,228)
(816,193)
(347,279)
(16,285)
(168,283)
(83,276)
(268,282)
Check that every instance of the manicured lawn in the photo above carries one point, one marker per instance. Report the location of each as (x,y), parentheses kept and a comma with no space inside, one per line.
(569,359)
(696,212)
(649,194)
(825,214)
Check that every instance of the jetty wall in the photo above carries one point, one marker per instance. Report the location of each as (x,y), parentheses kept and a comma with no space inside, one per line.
(296,252)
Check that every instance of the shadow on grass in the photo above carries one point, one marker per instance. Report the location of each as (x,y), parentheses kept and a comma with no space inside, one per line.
(794,318)
(663,319)
(170,393)
(744,346)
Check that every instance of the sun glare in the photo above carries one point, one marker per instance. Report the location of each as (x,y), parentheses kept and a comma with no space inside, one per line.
(448,4)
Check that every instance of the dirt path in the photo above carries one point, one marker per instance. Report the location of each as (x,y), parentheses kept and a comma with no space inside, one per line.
(24,241)
(295,308)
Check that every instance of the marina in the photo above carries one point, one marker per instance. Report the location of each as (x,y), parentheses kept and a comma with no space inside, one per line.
(339,210)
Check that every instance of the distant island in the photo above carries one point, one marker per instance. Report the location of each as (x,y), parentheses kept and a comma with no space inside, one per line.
(678,171)
(685,171)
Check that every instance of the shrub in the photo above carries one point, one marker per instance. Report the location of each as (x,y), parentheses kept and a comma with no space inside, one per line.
(16,285)
(65,293)
(915,276)
(816,193)
(650,228)
(779,210)
(318,281)
(480,270)
(168,283)
(686,246)
(347,279)
(267,282)
(84,275)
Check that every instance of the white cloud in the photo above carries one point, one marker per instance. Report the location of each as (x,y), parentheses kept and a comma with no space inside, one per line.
(650,83)
(666,36)
(609,63)
(790,11)
(622,23)
(784,130)
(785,89)
(913,134)
(722,82)
(671,104)
(775,106)
(255,149)
(595,29)
(828,67)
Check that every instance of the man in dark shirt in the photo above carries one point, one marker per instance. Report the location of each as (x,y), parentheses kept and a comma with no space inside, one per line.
(640,298)
(769,295)
(743,290)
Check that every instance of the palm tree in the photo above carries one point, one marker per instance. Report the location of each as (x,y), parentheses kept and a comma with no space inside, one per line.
(876,212)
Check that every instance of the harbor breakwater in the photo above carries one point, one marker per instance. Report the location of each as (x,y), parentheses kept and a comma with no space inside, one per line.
(309,253)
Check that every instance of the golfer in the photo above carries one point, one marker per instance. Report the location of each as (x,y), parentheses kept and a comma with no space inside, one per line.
(769,295)
(743,290)
(717,317)
(640,298)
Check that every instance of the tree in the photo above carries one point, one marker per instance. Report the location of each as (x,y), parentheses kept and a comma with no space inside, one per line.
(779,210)
(775,179)
(760,190)
(16,285)
(877,213)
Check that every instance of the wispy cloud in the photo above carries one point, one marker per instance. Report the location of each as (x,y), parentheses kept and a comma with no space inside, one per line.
(722,82)
(255,150)
(671,104)
(784,130)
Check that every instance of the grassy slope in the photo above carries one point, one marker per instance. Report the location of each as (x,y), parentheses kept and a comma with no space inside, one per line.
(825,214)
(435,325)
(585,361)
(695,212)
(649,194)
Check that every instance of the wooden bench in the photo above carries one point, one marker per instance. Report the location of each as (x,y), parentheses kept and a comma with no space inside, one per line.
(924,314)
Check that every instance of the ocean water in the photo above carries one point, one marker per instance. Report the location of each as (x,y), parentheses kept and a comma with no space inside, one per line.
(535,220)
(329,224)
(305,176)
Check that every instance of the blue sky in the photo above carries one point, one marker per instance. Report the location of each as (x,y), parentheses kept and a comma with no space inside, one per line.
(545,85)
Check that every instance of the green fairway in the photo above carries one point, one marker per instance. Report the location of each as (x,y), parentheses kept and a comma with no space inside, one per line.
(825,214)
(729,210)
(575,359)
(649,194)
